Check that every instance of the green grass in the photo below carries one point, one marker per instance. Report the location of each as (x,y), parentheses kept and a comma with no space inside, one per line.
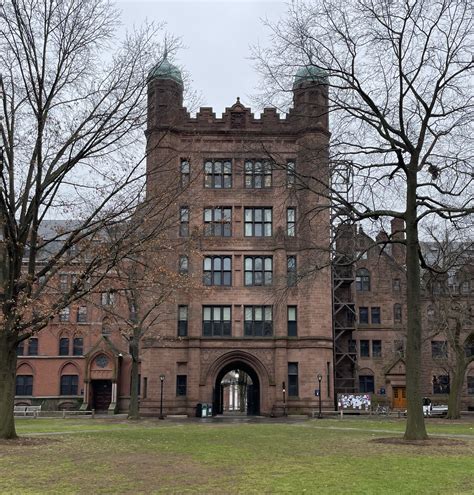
(164,457)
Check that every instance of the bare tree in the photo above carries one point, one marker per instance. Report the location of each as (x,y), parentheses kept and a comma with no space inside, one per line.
(73,110)
(400,96)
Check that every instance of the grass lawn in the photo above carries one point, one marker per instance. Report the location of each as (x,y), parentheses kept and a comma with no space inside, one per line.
(329,456)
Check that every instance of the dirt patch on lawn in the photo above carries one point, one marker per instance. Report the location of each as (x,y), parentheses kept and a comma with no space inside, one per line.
(27,442)
(431,442)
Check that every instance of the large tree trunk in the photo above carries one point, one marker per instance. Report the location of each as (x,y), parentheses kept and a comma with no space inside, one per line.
(7,386)
(133,410)
(456,383)
(415,428)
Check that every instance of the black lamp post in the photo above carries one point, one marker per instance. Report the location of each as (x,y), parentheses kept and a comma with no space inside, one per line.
(162,379)
(320,377)
(283,389)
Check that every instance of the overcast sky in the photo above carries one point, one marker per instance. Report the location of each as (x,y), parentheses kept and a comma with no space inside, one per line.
(217,35)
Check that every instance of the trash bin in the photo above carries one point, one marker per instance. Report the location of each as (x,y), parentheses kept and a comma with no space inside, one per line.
(209,409)
(204,411)
(199,410)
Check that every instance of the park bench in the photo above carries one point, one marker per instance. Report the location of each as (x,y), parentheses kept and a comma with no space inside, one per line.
(27,410)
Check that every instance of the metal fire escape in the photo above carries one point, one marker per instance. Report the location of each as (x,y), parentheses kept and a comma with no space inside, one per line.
(343,252)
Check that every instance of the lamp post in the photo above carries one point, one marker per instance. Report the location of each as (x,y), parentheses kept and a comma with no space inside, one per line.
(320,377)
(162,379)
(283,389)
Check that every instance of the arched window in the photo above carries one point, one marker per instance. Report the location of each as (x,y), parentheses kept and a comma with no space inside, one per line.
(24,380)
(363,280)
(64,346)
(78,346)
(397,313)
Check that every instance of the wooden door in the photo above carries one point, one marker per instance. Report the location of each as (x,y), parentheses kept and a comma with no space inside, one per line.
(102,394)
(399,397)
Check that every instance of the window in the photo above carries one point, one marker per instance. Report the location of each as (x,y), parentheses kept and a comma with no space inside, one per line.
(69,384)
(375,315)
(292,322)
(217,270)
(366,384)
(107,298)
(291,222)
(439,349)
(20,348)
(291,272)
(397,313)
(441,384)
(216,321)
(399,347)
(64,346)
(470,384)
(465,287)
(363,280)
(184,221)
(469,348)
(145,387)
(396,285)
(218,174)
(364,315)
(430,312)
(77,346)
(183,265)
(258,222)
(364,348)
(182,321)
(218,222)
(33,346)
(376,348)
(24,385)
(64,314)
(63,282)
(258,174)
(293,380)
(290,174)
(258,321)
(82,314)
(185,170)
(181,385)
(258,270)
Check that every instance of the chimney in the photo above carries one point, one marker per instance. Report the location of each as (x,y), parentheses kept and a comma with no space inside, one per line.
(398,233)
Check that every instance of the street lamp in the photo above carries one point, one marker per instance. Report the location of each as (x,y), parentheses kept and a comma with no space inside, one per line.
(283,389)
(320,377)
(162,379)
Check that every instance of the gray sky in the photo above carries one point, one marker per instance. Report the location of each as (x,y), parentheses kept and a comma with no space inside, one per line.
(217,35)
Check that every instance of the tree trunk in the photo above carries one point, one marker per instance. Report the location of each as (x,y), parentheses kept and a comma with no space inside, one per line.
(7,386)
(133,410)
(415,428)
(454,400)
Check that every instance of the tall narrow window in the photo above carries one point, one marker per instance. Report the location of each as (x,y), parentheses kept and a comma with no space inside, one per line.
(439,349)
(399,347)
(217,270)
(290,174)
(293,380)
(181,385)
(376,348)
(218,174)
(258,270)
(69,384)
(64,314)
(63,282)
(185,172)
(258,174)
(20,348)
(258,321)
(292,322)
(291,271)
(24,385)
(397,313)
(184,221)
(78,346)
(183,265)
(291,222)
(64,346)
(216,321)
(363,315)
(82,314)
(364,348)
(363,280)
(470,384)
(182,321)
(108,298)
(375,315)
(218,222)
(33,346)
(396,284)
(258,222)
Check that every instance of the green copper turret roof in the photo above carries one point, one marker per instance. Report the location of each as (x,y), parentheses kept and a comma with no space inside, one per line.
(310,73)
(166,70)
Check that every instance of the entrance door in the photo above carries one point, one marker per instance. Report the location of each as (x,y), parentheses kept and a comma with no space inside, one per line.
(253,398)
(399,397)
(102,390)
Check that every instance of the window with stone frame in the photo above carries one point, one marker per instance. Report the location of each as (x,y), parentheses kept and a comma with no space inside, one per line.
(291,271)
(470,384)
(291,222)
(397,313)
(293,386)
(182,321)
(69,384)
(218,174)
(439,349)
(218,222)
(77,346)
(258,321)
(216,321)
(364,346)
(63,282)
(107,298)
(32,346)
(376,348)
(363,315)
(290,174)
(292,321)
(399,348)
(217,270)
(82,314)
(440,384)
(185,170)
(184,221)
(24,385)
(258,270)
(181,385)
(363,280)
(375,315)
(258,222)
(366,384)
(64,314)
(183,264)
(64,346)
(396,285)
(258,174)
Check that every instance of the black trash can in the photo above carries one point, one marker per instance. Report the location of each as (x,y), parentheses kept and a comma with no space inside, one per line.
(199,410)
